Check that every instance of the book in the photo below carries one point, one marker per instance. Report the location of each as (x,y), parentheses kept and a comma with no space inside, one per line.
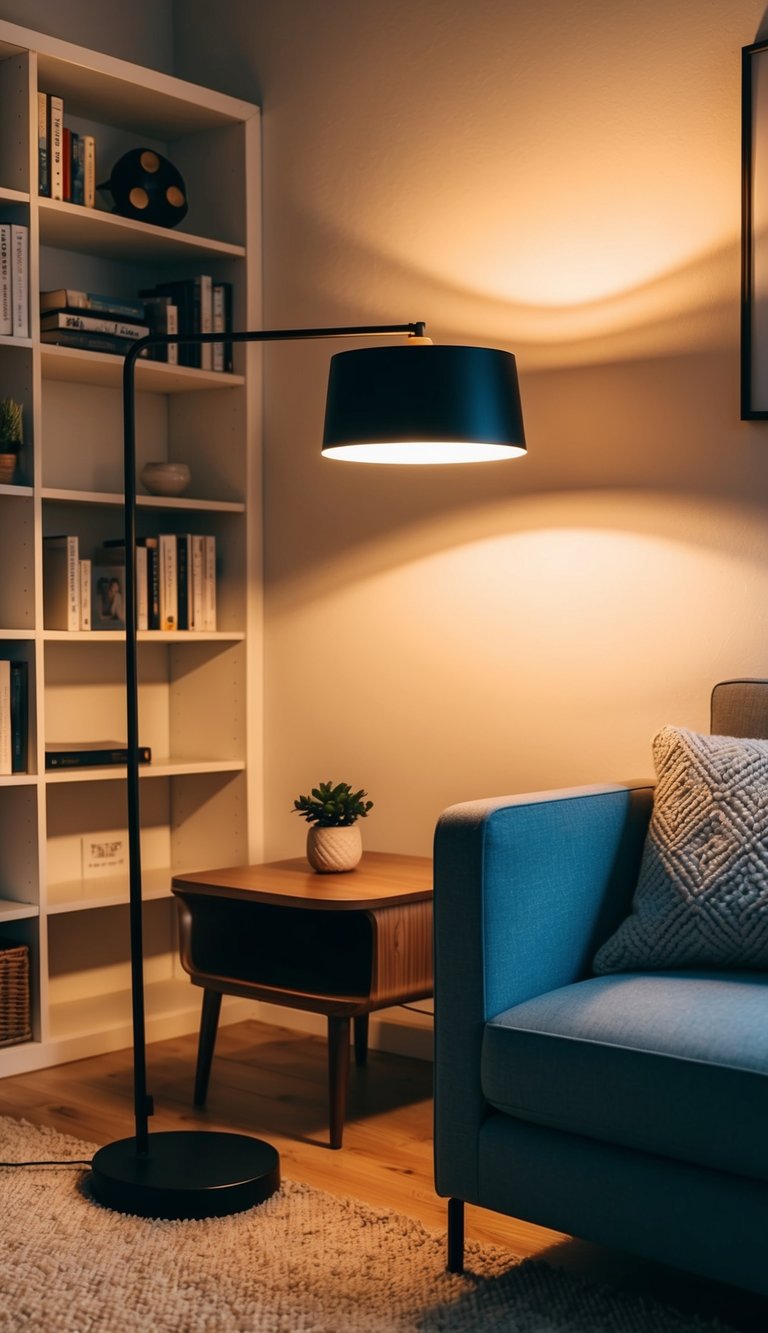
(77,169)
(162,315)
(6,749)
(55,146)
(194,299)
(85,594)
(112,328)
(209,583)
(196,620)
(66,164)
(20,279)
(19,716)
(43,177)
(6,318)
(88,342)
(142,586)
(61,582)
(112,307)
(183,575)
(81,754)
(204,317)
(89,171)
(169,609)
(153,583)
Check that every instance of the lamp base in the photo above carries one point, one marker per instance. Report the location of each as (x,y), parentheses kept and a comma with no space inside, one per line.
(185,1174)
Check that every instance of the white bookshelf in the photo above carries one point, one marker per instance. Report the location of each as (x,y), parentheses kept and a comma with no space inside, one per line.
(199,692)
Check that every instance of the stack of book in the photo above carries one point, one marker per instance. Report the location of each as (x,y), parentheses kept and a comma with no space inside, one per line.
(200,305)
(85,754)
(66,161)
(14,279)
(14,713)
(90,321)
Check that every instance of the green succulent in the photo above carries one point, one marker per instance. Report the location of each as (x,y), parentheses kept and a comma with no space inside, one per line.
(333,807)
(11,430)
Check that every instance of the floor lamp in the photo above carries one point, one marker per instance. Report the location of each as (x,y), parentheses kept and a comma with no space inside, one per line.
(416,403)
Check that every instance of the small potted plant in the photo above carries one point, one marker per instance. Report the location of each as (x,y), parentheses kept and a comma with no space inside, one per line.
(333,839)
(11,437)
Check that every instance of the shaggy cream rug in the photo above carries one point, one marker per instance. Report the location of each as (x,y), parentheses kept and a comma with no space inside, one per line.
(303,1262)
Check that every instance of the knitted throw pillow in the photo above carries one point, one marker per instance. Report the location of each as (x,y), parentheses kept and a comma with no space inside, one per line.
(702,894)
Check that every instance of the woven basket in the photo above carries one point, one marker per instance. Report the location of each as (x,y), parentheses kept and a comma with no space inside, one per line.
(14,993)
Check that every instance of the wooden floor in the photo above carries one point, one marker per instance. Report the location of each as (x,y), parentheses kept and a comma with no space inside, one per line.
(272,1082)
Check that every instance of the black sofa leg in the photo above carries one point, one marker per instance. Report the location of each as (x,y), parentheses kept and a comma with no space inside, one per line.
(455,1235)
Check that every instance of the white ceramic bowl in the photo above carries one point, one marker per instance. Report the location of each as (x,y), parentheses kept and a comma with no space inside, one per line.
(166,478)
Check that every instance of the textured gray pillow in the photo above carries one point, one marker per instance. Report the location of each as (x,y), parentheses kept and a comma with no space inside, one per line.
(702,895)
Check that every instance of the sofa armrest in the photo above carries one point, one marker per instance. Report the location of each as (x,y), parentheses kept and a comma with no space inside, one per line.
(526,890)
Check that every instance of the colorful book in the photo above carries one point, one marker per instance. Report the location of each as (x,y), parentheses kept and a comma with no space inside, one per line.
(114,307)
(61,582)
(20,279)
(169,584)
(56,145)
(43,175)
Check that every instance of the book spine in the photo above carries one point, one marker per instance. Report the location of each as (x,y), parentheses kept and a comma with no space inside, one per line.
(20,279)
(66,164)
(89,171)
(61,583)
(196,619)
(168,582)
(86,758)
(43,177)
(219,325)
(77,192)
(67,298)
(73,583)
(114,328)
(182,580)
(153,583)
(6,749)
(19,716)
(205,284)
(142,588)
(209,584)
(85,594)
(6,317)
(56,144)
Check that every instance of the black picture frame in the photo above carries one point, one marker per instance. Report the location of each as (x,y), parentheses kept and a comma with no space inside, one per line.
(754,232)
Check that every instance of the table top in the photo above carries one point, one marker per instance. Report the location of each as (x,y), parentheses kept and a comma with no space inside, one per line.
(382,879)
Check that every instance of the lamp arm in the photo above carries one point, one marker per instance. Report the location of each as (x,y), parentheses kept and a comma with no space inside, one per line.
(143,1107)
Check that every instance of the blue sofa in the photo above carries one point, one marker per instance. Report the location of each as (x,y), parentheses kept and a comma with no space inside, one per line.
(628,1109)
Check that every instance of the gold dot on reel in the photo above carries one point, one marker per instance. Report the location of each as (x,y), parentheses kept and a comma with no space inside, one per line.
(138,197)
(175,196)
(149,161)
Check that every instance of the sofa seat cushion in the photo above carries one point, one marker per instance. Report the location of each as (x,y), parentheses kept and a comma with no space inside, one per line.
(674,1063)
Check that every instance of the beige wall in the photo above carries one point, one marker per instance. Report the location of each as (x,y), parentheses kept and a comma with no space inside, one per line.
(141,31)
(557,178)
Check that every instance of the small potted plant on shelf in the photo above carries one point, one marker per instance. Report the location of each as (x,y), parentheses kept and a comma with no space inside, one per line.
(11,437)
(333,839)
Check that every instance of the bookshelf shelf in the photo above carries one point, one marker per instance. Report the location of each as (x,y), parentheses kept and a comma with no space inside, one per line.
(76,366)
(199,704)
(72,227)
(143,501)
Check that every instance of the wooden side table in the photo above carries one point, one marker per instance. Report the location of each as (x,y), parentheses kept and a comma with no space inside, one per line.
(341,945)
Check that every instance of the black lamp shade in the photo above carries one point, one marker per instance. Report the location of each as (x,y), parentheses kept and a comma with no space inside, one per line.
(423,404)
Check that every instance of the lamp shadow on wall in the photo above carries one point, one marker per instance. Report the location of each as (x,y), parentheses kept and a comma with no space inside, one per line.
(636,396)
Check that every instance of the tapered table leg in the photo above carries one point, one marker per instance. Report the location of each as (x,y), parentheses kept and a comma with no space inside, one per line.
(338,1075)
(209,1022)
